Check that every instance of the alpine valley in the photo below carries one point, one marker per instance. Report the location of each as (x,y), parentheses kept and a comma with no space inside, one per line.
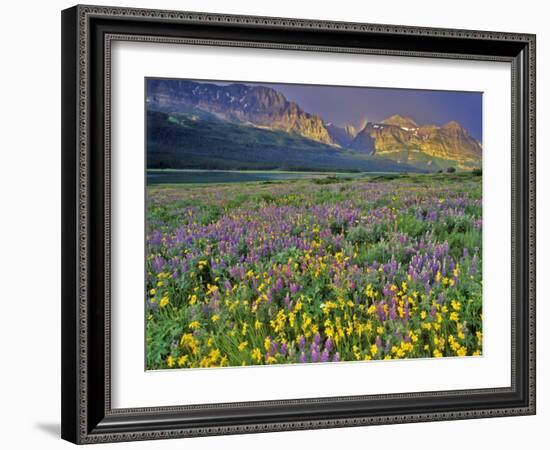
(253,127)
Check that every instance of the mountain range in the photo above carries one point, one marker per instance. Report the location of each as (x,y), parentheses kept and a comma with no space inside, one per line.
(206,125)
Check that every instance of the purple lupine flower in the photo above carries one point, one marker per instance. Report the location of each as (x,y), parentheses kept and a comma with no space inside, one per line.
(158,263)
(316,338)
(303,358)
(273,348)
(155,238)
(393,312)
(328,344)
(302,342)
(233,272)
(284,349)
(452,265)
(314,356)
(380,312)
(287,301)
(324,355)
(336,357)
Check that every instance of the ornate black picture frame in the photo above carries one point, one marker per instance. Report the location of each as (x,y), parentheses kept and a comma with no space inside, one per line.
(87,34)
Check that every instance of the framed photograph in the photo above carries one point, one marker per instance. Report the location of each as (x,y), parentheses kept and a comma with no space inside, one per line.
(281,224)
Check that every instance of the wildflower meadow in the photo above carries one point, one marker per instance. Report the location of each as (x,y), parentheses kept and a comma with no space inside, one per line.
(316,270)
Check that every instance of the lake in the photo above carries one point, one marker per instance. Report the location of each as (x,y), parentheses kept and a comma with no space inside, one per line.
(227,176)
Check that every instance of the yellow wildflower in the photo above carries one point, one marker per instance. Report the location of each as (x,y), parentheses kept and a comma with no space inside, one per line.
(243,345)
(373,349)
(182,360)
(291,318)
(194,325)
(257,354)
(214,355)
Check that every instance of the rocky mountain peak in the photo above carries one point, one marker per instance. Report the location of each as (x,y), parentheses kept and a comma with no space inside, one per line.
(454,127)
(402,139)
(256,105)
(342,135)
(400,121)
